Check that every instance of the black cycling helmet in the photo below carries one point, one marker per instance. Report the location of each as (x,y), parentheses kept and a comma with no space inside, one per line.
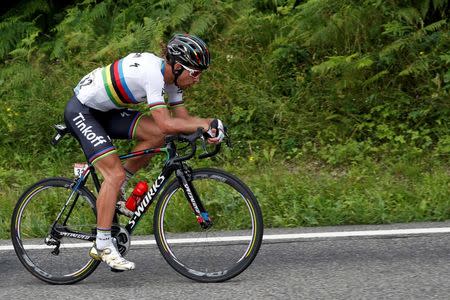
(188,50)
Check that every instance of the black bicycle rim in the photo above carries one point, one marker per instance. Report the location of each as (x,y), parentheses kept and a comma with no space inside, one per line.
(32,218)
(225,250)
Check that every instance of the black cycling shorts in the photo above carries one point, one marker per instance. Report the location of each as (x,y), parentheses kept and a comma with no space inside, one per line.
(94,129)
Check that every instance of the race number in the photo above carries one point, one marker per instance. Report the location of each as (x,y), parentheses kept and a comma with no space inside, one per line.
(79,168)
(86,80)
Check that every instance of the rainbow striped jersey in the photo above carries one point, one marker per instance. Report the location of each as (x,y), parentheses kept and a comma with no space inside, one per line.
(136,78)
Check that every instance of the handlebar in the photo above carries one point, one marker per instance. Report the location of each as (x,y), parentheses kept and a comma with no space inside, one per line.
(192,139)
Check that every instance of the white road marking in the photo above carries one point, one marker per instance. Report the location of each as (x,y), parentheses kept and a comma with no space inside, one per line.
(290,236)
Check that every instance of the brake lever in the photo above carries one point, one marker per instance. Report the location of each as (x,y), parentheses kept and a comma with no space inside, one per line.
(216,150)
(205,153)
(228,141)
(204,143)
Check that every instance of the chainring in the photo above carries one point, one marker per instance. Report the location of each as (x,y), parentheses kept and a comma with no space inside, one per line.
(122,239)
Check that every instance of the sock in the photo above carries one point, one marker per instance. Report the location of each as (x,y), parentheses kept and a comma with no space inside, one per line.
(123,188)
(103,239)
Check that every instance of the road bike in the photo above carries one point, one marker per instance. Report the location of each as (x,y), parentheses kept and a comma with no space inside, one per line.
(207,223)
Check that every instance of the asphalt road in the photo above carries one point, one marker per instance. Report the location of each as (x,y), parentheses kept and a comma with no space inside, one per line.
(395,266)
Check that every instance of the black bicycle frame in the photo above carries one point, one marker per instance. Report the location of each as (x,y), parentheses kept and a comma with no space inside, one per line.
(172,165)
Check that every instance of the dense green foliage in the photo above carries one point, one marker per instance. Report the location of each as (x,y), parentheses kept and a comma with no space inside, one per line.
(359,89)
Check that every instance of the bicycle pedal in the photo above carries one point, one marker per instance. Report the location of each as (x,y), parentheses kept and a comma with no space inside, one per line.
(116,271)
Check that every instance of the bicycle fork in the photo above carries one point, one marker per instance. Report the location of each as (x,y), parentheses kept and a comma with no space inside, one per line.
(184,177)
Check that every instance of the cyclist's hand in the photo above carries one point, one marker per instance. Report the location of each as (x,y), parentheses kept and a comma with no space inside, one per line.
(216,132)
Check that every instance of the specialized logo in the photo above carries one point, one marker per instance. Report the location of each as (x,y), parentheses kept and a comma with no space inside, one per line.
(75,235)
(87,131)
(191,198)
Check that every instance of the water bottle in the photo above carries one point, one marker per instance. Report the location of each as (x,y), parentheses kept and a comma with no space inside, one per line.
(135,198)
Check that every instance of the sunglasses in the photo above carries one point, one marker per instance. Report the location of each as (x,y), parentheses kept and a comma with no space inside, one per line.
(193,73)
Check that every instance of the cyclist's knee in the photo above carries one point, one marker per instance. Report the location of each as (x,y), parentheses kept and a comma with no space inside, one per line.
(112,171)
(152,140)
(116,176)
(148,131)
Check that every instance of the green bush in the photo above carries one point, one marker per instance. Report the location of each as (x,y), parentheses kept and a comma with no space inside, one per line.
(344,84)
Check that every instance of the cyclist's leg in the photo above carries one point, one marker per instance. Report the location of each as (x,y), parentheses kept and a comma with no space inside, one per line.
(129,124)
(113,173)
(148,135)
(86,124)
(132,124)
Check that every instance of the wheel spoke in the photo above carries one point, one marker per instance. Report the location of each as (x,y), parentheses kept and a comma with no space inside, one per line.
(44,251)
(221,251)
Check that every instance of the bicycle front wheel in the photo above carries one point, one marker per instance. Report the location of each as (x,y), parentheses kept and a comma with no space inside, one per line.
(225,249)
(47,254)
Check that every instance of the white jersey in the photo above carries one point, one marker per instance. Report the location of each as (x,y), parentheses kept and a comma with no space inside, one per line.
(136,78)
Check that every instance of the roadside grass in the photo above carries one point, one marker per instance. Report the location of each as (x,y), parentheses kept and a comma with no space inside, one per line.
(11,184)
(305,193)
(311,195)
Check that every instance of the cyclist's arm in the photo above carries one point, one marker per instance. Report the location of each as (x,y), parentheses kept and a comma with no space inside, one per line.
(182,112)
(177,123)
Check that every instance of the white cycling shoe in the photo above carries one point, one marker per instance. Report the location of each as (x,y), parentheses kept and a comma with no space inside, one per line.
(112,258)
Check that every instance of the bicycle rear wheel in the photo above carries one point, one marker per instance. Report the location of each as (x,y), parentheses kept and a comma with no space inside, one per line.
(46,254)
(222,251)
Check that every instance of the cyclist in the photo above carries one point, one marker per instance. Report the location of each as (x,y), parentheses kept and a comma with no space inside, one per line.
(100,110)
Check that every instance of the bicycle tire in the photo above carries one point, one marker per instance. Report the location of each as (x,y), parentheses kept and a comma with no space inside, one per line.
(221,252)
(31,222)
